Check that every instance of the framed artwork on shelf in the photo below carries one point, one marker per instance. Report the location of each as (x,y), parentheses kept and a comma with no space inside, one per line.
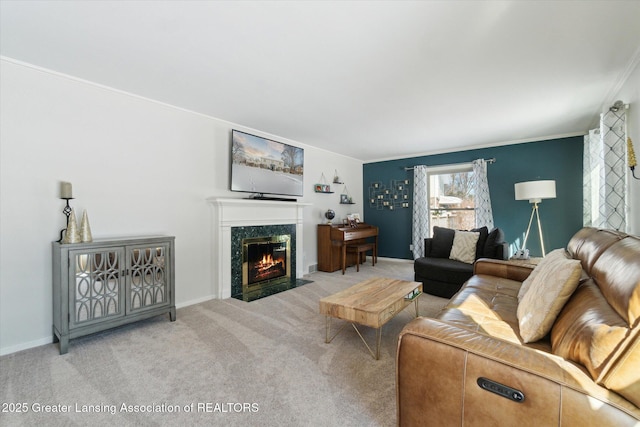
(323,188)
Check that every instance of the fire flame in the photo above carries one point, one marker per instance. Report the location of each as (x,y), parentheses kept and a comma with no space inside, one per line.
(267,260)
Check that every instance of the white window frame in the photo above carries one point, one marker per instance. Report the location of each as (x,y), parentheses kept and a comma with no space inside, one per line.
(444,170)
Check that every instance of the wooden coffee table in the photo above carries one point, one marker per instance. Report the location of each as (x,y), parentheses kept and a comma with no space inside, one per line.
(370,303)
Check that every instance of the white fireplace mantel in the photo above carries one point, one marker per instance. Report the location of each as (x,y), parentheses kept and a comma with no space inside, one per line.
(228,212)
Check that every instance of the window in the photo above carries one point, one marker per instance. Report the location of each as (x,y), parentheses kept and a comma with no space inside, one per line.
(451,197)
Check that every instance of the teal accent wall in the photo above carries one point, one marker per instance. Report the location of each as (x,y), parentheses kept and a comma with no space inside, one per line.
(557,159)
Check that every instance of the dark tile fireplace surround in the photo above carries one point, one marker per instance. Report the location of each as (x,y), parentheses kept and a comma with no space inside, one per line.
(270,287)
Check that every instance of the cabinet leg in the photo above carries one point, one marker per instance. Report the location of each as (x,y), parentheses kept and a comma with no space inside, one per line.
(55,337)
(64,344)
(172,314)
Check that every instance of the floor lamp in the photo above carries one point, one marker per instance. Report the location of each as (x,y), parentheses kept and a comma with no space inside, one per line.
(535,191)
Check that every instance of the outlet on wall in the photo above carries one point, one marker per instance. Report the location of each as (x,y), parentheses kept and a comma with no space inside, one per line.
(410,247)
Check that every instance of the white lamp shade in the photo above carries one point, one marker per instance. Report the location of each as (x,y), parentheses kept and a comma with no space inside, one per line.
(535,191)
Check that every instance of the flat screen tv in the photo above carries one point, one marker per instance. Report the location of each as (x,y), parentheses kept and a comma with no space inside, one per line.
(265,167)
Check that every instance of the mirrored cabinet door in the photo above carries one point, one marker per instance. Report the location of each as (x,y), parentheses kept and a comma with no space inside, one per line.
(148,283)
(98,285)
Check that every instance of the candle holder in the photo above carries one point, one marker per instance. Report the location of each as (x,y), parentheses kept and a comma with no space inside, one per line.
(67,212)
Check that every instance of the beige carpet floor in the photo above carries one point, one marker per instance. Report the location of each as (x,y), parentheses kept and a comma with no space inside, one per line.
(222,362)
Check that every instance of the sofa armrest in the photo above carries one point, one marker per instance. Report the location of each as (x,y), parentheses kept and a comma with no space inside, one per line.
(437,369)
(502,268)
(427,246)
(502,251)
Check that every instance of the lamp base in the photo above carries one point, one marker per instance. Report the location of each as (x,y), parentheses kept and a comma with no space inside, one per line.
(534,211)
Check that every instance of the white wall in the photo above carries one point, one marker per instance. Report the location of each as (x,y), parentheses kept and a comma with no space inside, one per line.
(630,94)
(137,166)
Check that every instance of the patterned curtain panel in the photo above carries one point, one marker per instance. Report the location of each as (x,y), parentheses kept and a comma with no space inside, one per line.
(604,174)
(484,214)
(592,176)
(420,209)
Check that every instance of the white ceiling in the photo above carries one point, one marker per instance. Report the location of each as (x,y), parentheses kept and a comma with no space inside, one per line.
(368,79)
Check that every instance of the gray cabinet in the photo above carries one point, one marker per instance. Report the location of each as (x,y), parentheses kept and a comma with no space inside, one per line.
(109,282)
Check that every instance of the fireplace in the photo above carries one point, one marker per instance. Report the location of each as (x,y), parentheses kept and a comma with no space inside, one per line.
(265,261)
(234,220)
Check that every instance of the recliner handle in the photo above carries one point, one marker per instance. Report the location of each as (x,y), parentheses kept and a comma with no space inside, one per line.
(501,389)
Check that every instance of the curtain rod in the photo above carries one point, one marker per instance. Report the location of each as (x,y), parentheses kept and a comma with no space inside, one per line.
(491,160)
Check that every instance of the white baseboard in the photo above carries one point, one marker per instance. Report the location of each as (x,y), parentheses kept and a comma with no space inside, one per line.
(195,301)
(26,345)
(396,260)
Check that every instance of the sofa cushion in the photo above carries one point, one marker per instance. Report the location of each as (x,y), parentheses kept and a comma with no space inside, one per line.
(588,330)
(441,242)
(549,291)
(623,375)
(482,240)
(486,304)
(600,325)
(494,239)
(589,243)
(464,246)
(443,270)
(617,274)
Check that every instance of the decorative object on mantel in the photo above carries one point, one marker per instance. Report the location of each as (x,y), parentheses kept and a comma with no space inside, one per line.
(397,196)
(322,186)
(85,229)
(72,234)
(336,178)
(329,214)
(631,156)
(66,193)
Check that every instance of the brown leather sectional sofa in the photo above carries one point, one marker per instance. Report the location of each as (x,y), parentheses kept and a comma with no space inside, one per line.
(470,366)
